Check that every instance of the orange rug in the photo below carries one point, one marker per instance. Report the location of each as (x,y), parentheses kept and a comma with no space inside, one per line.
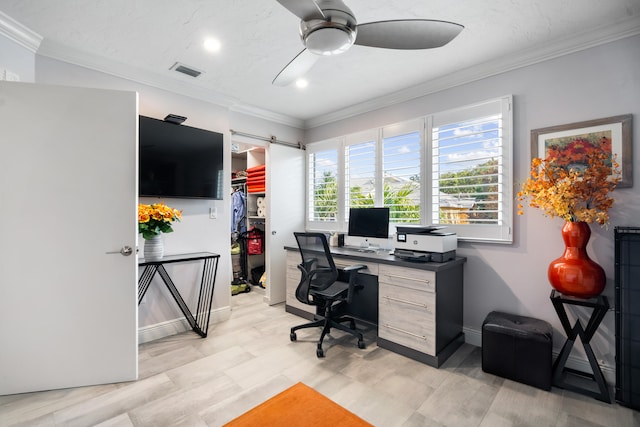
(298,406)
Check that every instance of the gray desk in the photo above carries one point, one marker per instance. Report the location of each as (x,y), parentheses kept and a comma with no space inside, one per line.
(417,307)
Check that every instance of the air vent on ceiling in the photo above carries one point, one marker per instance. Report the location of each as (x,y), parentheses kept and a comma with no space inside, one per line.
(184,69)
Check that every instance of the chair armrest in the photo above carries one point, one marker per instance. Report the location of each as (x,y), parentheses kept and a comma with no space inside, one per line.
(352,272)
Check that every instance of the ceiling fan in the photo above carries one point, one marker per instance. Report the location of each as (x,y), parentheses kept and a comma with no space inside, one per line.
(328,27)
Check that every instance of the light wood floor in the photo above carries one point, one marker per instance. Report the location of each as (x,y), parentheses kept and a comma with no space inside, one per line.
(189,381)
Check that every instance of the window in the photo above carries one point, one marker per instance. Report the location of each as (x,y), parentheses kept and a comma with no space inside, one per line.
(402,170)
(451,168)
(471,171)
(360,156)
(323,185)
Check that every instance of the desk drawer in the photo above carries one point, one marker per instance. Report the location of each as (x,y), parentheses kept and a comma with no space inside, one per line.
(372,268)
(407,317)
(422,280)
(424,343)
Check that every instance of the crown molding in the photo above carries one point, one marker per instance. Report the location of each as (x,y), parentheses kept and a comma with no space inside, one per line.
(268,115)
(64,53)
(15,31)
(595,37)
(578,42)
(70,55)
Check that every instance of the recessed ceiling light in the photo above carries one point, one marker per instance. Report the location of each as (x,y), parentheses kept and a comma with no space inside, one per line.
(302,83)
(212,45)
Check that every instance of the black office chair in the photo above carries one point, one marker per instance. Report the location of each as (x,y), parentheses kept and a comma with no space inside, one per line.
(326,287)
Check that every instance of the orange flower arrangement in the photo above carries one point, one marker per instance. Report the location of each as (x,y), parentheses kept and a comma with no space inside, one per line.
(156,218)
(574,182)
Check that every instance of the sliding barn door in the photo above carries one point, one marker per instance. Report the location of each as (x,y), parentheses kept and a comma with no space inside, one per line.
(285,198)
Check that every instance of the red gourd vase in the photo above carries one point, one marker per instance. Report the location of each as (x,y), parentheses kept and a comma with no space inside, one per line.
(574,273)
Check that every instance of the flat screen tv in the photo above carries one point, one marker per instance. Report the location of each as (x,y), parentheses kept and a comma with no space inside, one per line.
(369,222)
(179,161)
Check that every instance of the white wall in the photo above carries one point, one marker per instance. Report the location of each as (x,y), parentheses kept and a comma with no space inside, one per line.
(595,83)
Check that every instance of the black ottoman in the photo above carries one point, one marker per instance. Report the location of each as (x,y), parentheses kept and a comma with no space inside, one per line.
(517,348)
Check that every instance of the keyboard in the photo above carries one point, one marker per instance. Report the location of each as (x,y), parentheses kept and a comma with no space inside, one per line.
(361,250)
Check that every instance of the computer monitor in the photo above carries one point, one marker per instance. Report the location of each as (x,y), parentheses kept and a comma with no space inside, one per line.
(369,222)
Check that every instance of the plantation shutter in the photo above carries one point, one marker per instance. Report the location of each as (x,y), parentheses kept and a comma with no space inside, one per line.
(401,168)
(471,170)
(360,170)
(452,168)
(322,180)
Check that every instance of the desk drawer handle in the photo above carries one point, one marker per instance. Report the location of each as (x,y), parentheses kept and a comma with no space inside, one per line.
(406,302)
(396,276)
(422,337)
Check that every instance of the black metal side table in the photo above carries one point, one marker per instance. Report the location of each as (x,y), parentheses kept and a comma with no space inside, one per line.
(200,322)
(600,305)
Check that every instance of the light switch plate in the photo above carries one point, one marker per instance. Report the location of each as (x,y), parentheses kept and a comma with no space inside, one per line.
(213,213)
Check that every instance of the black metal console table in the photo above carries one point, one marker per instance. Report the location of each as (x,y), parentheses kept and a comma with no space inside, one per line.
(600,305)
(200,322)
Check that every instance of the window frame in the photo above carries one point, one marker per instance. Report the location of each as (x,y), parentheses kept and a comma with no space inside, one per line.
(328,145)
(356,139)
(496,233)
(399,129)
(486,233)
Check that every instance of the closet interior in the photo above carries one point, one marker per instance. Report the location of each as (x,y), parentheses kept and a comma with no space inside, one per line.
(248,216)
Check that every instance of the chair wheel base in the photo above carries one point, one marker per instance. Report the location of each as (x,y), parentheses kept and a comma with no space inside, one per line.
(293,336)
(361,345)
(320,353)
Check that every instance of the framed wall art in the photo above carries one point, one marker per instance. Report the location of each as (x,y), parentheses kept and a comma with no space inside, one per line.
(612,133)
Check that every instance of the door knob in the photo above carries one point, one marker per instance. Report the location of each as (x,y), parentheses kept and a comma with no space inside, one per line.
(125,251)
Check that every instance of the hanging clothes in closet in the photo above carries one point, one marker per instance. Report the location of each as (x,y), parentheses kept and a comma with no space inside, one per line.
(238,212)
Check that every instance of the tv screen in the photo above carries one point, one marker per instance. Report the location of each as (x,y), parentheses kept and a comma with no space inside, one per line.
(369,222)
(179,161)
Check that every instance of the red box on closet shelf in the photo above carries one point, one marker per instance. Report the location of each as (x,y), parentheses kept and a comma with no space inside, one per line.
(256,179)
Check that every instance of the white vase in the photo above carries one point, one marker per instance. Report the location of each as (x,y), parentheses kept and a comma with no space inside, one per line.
(154,248)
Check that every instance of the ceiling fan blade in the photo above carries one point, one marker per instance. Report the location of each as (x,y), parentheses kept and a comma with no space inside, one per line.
(303,9)
(295,69)
(407,33)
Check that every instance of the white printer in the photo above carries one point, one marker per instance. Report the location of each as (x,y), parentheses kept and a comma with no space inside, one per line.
(425,243)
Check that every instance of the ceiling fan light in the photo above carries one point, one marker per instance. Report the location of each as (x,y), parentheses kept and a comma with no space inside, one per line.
(329,40)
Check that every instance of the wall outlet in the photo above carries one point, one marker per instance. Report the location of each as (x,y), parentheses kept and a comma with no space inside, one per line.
(213,213)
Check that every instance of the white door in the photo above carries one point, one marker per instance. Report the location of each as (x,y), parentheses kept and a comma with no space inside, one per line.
(285,201)
(68,200)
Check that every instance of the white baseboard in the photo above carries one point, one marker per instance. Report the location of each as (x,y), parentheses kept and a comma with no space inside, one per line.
(176,326)
(474,337)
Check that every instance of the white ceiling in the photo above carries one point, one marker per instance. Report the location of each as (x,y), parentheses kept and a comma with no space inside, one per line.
(142,39)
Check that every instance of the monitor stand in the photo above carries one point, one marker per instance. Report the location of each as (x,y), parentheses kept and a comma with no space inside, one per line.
(366,247)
